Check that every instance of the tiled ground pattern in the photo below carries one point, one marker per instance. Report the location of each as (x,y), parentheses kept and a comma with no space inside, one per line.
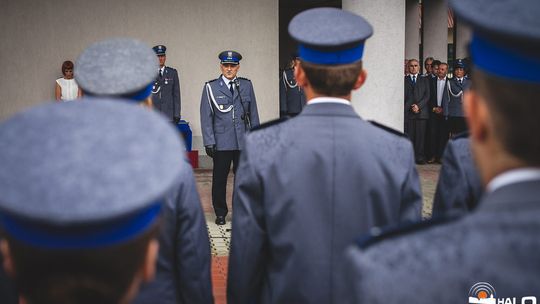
(220,236)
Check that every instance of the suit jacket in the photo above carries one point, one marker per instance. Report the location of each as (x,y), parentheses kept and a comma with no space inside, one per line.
(304,189)
(433,95)
(417,94)
(291,97)
(454,105)
(166,93)
(222,114)
(497,244)
(183,263)
(459,187)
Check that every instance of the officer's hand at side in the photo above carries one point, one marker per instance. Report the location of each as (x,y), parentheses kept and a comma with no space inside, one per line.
(176,119)
(210,151)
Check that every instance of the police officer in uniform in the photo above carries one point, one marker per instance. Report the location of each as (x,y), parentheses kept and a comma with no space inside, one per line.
(79,210)
(291,96)
(459,187)
(453,108)
(183,266)
(166,88)
(498,242)
(348,175)
(228,112)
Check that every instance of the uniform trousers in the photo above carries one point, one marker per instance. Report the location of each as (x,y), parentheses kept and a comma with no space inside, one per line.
(417,134)
(457,125)
(222,166)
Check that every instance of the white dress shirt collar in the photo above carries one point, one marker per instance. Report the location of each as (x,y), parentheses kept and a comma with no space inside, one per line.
(512,177)
(328,100)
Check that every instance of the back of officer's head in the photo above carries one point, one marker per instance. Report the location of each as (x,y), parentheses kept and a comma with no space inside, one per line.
(505,48)
(331,44)
(81,188)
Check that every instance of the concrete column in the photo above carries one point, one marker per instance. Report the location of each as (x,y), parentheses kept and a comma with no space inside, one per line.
(381,97)
(463,37)
(412,29)
(436,29)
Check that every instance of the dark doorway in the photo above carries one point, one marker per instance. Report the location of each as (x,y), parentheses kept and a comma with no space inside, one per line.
(287,10)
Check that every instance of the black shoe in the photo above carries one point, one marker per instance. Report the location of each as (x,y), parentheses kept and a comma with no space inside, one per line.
(220,220)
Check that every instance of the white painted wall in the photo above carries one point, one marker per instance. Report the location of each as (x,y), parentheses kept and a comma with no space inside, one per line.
(37,36)
(436,29)
(412,29)
(381,97)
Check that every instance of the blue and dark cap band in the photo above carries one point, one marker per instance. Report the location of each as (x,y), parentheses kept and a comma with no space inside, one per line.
(502,61)
(141,94)
(331,57)
(84,236)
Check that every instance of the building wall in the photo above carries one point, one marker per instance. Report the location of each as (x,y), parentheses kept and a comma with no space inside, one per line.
(37,36)
(381,97)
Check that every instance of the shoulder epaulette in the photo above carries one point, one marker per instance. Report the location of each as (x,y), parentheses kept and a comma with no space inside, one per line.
(387,128)
(212,80)
(377,235)
(244,78)
(269,123)
(461,135)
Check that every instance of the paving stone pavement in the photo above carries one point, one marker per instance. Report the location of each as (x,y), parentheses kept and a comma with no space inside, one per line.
(220,236)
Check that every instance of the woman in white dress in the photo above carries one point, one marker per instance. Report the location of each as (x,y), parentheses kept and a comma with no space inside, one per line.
(66,87)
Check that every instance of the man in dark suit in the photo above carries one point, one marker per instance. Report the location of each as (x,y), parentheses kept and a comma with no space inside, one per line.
(438,133)
(166,89)
(416,109)
(306,186)
(493,251)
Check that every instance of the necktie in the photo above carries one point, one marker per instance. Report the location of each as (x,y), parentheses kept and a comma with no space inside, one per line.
(459,81)
(231,87)
(414,80)
(160,74)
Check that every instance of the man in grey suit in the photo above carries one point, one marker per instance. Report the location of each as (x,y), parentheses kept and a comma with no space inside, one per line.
(416,109)
(166,88)
(228,112)
(183,263)
(348,175)
(453,108)
(493,251)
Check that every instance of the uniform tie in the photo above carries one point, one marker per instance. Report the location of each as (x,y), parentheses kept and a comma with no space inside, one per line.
(459,81)
(231,87)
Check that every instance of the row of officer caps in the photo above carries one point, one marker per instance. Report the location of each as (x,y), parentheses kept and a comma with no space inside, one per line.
(47,181)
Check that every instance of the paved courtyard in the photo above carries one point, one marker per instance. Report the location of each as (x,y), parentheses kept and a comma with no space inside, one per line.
(220,236)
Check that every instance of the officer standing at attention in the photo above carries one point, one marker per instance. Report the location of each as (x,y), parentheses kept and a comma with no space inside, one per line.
(228,111)
(166,88)
(291,96)
(498,242)
(349,175)
(79,208)
(183,266)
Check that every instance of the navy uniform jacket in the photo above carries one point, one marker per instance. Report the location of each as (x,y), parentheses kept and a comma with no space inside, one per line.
(454,105)
(348,176)
(417,94)
(166,93)
(498,243)
(291,97)
(183,264)
(221,114)
(459,187)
